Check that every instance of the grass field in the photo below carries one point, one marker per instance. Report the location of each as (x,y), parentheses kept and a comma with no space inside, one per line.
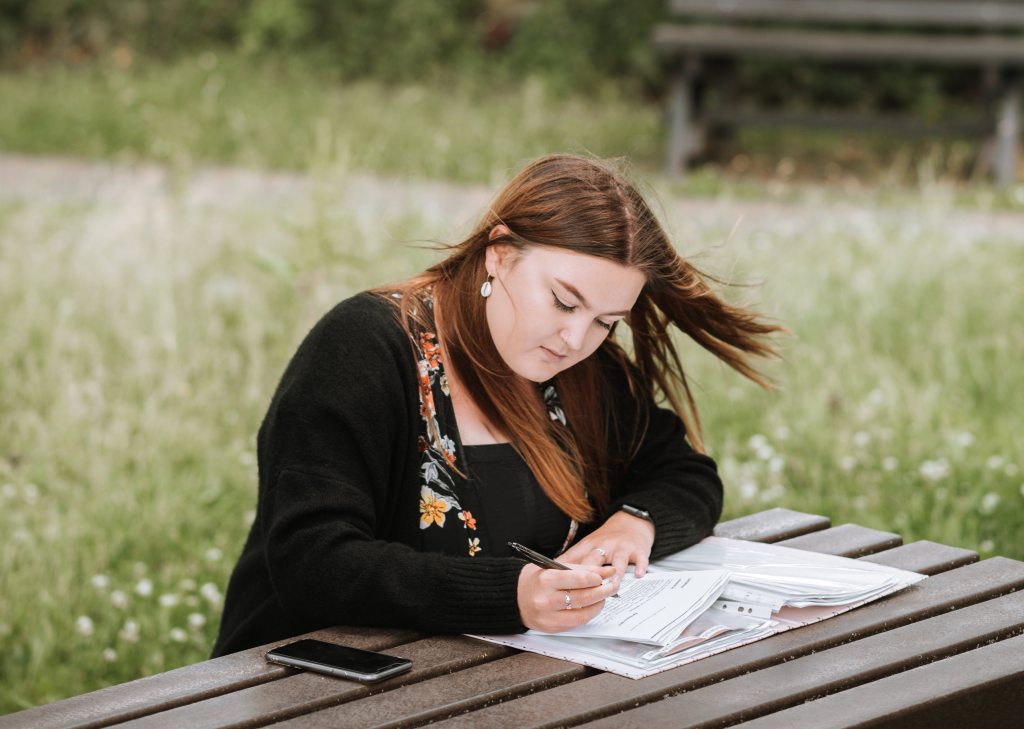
(144,333)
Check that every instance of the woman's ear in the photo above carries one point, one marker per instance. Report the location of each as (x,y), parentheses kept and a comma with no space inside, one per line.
(498,230)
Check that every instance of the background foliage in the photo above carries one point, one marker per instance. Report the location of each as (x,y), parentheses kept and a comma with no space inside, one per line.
(573,44)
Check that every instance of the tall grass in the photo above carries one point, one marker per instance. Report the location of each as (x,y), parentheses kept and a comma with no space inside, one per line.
(284,112)
(144,333)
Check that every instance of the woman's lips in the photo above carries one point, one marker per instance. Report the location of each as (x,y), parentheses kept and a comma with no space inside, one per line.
(552,355)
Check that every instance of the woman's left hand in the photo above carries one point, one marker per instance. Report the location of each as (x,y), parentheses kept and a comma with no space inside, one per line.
(621,541)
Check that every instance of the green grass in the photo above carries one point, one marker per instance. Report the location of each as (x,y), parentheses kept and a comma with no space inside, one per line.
(287,113)
(143,336)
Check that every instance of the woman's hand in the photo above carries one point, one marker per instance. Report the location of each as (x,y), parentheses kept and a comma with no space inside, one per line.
(556,600)
(621,541)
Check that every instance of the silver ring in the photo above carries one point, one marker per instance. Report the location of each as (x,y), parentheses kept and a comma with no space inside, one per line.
(600,550)
(568,600)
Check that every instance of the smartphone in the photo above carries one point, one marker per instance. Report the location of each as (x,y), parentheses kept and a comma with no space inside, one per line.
(338,660)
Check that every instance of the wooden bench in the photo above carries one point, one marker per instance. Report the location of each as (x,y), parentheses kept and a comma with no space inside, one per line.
(979,34)
(948,651)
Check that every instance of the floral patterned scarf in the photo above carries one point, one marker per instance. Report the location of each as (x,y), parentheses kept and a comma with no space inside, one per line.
(447,503)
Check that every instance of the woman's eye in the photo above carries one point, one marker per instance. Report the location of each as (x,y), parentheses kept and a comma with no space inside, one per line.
(559,305)
(604,325)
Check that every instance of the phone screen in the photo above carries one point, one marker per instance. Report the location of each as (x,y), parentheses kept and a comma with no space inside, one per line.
(339,660)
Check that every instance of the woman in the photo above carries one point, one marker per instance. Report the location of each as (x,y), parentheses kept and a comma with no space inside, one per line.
(422,426)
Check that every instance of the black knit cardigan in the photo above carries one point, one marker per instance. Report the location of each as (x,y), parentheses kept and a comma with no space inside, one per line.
(336,533)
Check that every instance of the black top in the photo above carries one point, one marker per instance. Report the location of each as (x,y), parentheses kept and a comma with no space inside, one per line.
(349,492)
(513,505)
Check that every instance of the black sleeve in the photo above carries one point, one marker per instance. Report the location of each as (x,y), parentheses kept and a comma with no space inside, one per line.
(679,487)
(339,436)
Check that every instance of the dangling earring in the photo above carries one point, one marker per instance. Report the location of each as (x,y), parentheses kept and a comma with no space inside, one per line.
(485,289)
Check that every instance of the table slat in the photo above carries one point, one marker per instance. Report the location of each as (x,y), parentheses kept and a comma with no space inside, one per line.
(772,525)
(924,557)
(606,693)
(841,667)
(188,684)
(441,697)
(302,692)
(981,689)
(845,540)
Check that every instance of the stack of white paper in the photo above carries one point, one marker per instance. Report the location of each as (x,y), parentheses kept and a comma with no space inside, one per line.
(713,596)
(774,576)
(653,610)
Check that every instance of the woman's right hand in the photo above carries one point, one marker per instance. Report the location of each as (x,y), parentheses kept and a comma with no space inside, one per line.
(542,595)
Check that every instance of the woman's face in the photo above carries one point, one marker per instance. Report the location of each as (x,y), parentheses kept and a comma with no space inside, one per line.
(551,308)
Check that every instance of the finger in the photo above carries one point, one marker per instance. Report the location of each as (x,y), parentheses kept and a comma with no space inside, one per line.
(594,595)
(620,562)
(579,577)
(640,564)
(595,556)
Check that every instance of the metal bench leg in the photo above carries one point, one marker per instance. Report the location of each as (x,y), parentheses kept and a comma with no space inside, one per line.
(682,136)
(1007,134)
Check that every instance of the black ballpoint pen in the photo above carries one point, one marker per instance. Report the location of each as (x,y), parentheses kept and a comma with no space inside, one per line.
(539,559)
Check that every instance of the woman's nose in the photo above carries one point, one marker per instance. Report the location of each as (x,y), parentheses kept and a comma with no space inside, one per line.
(573,335)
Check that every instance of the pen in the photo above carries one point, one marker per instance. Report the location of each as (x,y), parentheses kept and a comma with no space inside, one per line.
(540,560)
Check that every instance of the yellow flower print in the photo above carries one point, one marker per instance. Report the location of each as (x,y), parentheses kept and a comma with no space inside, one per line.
(474,546)
(432,508)
(468,517)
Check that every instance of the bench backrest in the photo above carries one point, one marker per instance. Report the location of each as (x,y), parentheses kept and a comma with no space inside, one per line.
(979,15)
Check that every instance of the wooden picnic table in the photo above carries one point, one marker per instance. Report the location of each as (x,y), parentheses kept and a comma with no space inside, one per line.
(948,651)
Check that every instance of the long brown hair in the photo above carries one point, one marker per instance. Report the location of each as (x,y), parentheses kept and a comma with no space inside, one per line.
(587,206)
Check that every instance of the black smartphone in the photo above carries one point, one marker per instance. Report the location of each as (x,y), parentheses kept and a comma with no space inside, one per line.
(338,660)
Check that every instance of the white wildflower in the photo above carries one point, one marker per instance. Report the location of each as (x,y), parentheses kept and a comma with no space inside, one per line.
(119,599)
(876,397)
(934,470)
(776,464)
(178,635)
(168,600)
(196,620)
(963,439)
(187,585)
(765,452)
(84,625)
(144,587)
(861,439)
(109,655)
(890,463)
(139,568)
(130,631)
(847,463)
(213,554)
(210,592)
(995,462)
(987,546)
(31,493)
(757,441)
(9,491)
(782,432)
(748,489)
(1011,469)
(989,502)
(100,582)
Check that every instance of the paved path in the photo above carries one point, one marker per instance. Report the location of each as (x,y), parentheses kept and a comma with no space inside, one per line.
(63,180)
